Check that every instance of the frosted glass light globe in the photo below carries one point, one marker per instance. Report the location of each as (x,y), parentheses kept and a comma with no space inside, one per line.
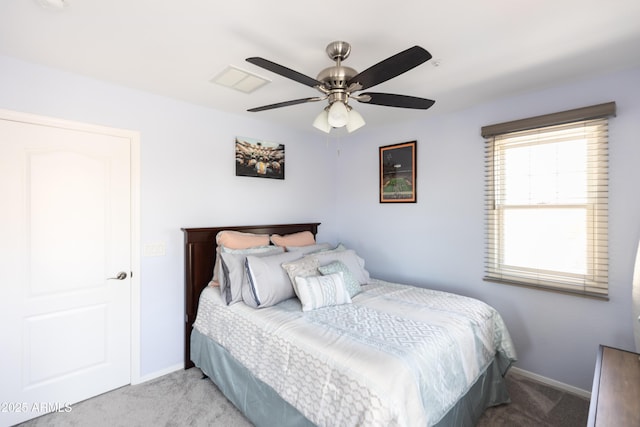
(338,115)
(355,121)
(321,122)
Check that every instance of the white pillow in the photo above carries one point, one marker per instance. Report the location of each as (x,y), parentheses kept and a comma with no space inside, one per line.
(217,266)
(318,247)
(267,282)
(321,291)
(232,275)
(348,257)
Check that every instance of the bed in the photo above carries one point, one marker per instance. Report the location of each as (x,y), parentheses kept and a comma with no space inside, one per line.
(392,355)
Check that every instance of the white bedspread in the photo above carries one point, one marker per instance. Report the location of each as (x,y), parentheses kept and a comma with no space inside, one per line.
(399,355)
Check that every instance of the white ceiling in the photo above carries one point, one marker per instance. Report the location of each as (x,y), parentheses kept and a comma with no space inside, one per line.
(483,49)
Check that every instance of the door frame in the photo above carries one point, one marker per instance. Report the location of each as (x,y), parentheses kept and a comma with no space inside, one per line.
(134,138)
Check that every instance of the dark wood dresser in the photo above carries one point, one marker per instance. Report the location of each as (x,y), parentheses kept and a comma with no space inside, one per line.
(615,396)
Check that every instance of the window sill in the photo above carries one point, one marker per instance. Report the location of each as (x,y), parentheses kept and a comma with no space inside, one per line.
(583,294)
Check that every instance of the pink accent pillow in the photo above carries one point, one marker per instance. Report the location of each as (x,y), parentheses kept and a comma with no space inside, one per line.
(239,240)
(303,238)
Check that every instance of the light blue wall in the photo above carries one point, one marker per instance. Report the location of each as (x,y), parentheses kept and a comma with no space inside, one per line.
(438,242)
(187,180)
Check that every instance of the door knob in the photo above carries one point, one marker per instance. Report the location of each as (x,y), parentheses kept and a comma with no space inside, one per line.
(121,276)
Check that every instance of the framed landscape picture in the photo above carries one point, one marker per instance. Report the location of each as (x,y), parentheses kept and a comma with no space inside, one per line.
(258,158)
(398,173)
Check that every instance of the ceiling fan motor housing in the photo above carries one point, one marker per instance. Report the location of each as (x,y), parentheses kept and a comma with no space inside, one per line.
(337,76)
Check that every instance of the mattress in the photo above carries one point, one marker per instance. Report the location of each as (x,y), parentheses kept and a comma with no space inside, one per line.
(397,355)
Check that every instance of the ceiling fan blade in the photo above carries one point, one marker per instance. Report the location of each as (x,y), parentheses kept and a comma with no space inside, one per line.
(392,100)
(284,71)
(285,104)
(391,67)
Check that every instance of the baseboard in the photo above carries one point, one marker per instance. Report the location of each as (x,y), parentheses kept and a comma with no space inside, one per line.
(551,383)
(158,374)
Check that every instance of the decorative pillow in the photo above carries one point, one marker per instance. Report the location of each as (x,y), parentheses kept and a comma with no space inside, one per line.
(307,266)
(352,285)
(321,291)
(318,247)
(267,282)
(232,272)
(348,257)
(302,238)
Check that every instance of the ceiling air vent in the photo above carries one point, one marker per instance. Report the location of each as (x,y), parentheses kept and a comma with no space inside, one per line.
(238,79)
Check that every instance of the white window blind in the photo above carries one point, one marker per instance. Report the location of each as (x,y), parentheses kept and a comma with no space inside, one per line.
(547,202)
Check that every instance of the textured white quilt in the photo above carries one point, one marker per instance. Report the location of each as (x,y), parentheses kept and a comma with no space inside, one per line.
(398,355)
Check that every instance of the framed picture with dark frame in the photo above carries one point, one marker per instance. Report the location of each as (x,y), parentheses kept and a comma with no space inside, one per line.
(259,158)
(398,173)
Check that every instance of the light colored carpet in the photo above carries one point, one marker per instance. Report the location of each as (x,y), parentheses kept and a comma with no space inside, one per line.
(182,398)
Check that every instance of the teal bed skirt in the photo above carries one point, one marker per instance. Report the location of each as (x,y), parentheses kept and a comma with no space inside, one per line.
(264,407)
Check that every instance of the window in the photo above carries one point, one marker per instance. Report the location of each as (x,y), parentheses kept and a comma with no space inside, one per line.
(546,201)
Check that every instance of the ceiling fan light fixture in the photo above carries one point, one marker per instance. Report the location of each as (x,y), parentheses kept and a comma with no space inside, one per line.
(355,121)
(322,121)
(338,115)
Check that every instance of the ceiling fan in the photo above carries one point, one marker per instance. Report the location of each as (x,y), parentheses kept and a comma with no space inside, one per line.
(338,84)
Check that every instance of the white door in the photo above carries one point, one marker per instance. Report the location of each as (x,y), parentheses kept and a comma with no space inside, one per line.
(65,230)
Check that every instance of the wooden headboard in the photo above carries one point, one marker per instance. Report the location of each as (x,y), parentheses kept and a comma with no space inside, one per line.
(199,259)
